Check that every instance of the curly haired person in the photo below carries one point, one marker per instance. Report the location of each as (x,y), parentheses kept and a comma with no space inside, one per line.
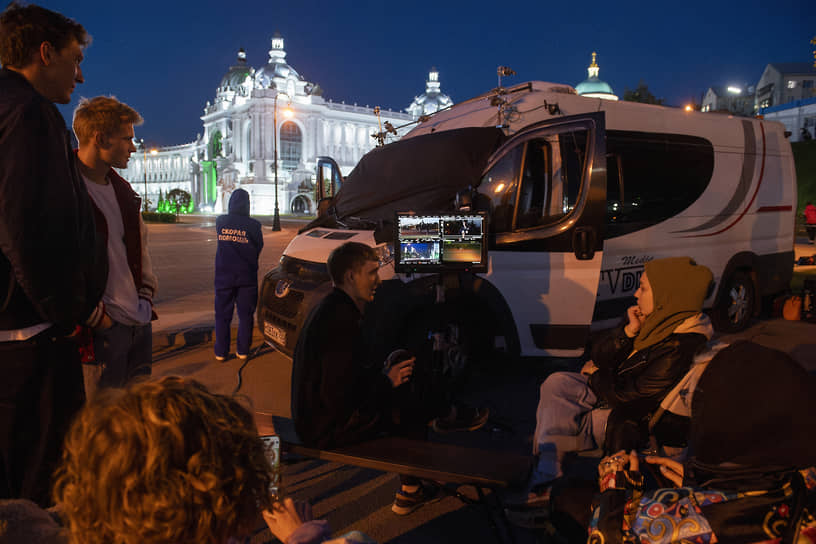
(162,462)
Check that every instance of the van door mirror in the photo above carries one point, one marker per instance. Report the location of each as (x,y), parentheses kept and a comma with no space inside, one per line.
(329,178)
(583,243)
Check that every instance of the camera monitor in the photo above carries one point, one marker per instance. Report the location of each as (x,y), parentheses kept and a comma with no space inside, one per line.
(437,242)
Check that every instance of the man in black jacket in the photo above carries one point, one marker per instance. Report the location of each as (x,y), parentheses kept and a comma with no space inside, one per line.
(52,266)
(339,396)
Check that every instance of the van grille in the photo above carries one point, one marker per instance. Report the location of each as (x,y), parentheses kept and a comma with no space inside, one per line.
(287,306)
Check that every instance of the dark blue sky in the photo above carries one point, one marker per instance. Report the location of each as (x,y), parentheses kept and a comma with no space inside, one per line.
(166,58)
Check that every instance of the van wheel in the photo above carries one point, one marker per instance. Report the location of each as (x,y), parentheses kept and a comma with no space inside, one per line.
(735,309)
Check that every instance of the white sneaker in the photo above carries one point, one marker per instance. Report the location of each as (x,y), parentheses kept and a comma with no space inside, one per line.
(219,358)
(242,355)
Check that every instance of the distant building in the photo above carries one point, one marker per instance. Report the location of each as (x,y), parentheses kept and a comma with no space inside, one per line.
(593,86)
(799,118)
(732,99)
(786,92)
(256,115)
(782,83)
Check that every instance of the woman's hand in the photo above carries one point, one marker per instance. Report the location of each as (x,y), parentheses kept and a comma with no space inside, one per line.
(589,368)
(669,468)
(285,517)
(619,461)
(636,319)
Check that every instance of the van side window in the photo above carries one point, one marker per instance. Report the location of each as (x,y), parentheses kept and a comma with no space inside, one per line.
(499,186)
(651,177)
(551,178)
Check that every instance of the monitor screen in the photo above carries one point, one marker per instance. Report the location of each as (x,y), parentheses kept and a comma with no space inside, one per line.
(434,242)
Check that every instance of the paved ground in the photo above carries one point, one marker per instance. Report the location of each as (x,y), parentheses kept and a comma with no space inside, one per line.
(349,497)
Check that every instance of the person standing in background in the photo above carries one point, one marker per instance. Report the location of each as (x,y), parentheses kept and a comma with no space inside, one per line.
(810,221)
(236,275)
(104,130)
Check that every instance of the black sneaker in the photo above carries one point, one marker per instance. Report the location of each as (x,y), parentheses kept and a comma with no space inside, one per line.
(405,503)
(461,418)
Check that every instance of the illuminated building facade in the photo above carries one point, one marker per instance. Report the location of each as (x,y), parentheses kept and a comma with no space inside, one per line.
(256,113)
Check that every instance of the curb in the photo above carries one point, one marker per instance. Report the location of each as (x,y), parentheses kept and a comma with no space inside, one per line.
(165,340)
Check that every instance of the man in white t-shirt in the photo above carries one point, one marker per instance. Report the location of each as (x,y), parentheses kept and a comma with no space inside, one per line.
(104,129)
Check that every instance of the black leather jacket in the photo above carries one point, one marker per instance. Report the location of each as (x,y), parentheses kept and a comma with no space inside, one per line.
(644,377)
(53,266)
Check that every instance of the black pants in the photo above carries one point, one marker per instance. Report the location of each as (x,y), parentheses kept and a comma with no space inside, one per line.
(41,390)
(811,231)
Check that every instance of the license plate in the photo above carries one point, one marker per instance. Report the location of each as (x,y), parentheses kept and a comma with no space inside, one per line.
(277,334)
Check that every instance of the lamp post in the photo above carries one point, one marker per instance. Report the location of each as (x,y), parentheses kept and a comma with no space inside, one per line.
(288,114)
(144,168)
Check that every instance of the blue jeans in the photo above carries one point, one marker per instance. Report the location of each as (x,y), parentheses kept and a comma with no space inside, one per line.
(566,420)
(245,297)
(125,351)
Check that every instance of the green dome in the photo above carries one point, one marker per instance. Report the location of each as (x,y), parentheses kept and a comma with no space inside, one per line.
(593,85)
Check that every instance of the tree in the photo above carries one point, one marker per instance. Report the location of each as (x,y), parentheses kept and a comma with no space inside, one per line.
(813,42)
(180,199)
(642,94)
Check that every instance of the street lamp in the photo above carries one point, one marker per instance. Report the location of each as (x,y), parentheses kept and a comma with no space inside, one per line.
(144,168)
(288,113)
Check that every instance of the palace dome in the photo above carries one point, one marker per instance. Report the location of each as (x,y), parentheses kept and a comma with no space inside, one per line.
(276,67)
(236,75)
(432,100)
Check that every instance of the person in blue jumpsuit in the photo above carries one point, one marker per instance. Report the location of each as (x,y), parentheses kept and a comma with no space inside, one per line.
(236,274)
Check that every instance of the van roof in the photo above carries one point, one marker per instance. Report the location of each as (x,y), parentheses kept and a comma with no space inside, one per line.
(537,101)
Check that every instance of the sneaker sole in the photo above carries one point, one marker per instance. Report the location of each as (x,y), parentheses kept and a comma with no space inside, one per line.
(405,510)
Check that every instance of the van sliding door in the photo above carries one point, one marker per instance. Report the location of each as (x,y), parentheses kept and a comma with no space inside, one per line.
(547,188)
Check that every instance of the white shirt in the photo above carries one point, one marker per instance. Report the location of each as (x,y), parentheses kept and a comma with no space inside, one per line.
(122,302)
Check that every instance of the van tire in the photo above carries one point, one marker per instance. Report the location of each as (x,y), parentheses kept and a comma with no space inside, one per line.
(737,303)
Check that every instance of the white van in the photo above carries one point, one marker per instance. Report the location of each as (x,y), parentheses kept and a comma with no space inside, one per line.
(580,193)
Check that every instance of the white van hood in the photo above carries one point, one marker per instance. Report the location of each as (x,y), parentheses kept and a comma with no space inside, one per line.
(314,245)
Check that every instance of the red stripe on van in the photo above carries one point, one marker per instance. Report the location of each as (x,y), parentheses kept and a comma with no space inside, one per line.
(756,191)
(774,209)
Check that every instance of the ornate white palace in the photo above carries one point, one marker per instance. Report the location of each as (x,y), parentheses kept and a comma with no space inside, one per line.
(257,114)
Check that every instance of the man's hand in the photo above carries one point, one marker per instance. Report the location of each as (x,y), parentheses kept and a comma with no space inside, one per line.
(105,324)
(401,372)
(284,518)
(589,368)
(669,468)
(636,319)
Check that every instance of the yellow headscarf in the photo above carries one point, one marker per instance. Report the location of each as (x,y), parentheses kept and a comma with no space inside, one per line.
(679,287)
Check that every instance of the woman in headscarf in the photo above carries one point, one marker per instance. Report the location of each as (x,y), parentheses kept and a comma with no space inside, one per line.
(632,369)
(749,477)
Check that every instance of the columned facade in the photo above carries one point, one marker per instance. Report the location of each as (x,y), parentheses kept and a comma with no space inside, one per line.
(255,113)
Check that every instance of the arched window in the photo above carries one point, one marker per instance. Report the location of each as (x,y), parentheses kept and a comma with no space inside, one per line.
(291,142)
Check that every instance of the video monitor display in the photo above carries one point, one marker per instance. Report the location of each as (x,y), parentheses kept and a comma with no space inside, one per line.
(426,242)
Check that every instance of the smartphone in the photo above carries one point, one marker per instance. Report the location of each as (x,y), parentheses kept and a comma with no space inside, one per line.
(272,451)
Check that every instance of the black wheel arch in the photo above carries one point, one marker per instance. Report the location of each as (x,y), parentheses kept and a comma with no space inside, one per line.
(746,262)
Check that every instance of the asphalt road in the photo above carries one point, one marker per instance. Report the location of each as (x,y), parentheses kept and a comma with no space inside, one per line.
(349,497)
